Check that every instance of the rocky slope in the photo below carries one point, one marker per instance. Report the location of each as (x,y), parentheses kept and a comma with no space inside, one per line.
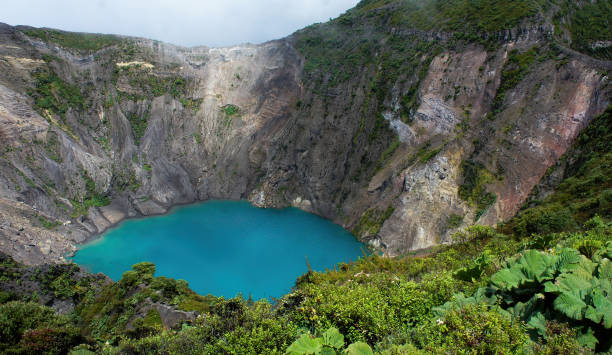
(402,133)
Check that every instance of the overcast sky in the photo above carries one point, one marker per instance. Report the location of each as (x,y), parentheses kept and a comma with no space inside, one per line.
(183,22)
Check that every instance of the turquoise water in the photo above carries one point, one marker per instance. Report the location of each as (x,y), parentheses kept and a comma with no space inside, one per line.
(224,247)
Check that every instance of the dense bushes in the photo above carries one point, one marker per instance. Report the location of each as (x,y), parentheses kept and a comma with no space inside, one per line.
(474,329)
(31,328)
(537,287)
(543,220)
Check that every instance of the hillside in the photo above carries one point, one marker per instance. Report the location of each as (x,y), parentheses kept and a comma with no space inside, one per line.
(437,115)
(466,141)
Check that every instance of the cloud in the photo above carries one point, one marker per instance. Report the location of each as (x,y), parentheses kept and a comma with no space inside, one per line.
(183,22)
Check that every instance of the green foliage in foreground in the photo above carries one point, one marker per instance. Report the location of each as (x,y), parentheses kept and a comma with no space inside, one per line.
(492,293)
(28,328)
(330,343)
(537,287)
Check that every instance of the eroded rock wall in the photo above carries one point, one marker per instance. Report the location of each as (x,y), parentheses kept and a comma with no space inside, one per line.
(164,125)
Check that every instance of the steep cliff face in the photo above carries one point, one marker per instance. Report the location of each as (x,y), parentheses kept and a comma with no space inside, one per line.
(398,132)
(153,126)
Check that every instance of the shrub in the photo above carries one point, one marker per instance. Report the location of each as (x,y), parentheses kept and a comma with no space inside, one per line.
(559,339)
(543,220)
(49,340)
(474,329)
(537,287)
(18,317)
(474,233)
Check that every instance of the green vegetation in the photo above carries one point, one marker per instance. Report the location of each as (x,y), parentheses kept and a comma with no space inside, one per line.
(466,17)
(539,287)
(515,69)
(52,147)
(371,221)
(330,342)
(152,85)
(585,191)
(27,179)
(197,138)
(477,328)
(491,293)
(473,189)
(139,125)
(192,104)
(91,199)
(425,154)
(388,153)
(47,223)
(54,94)
(88,42)
(31,328)
(230,111)
(455,221)
(588,23)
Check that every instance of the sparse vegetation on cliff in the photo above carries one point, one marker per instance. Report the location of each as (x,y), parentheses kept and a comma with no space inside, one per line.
(87,42)
(473,189)
(54,94)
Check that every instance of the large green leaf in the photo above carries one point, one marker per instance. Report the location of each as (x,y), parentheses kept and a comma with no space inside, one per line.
(587,338)
(537,265)
(592,314)
(326,350)
(457,302)
(507,279)
(527,309)
(577,284)
(473,272)
(603,306)
(570,305)
(359,348)
(333,338)
(538,322)
(605,269)
(568,259)
(305,345)
(587,265)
